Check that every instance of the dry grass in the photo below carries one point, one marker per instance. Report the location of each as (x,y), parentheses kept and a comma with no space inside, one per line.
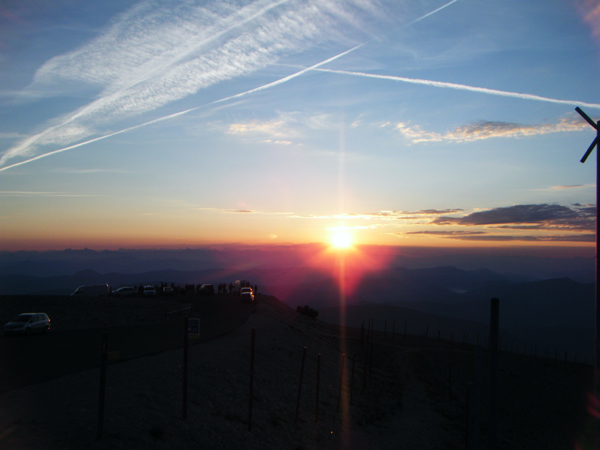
(414,398)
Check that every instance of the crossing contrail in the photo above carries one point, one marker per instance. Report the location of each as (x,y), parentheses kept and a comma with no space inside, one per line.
(430,13)
(181,113)
(463,87)
(242,94)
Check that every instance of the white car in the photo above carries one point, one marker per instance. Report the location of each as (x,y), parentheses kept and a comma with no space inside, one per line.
(28,323)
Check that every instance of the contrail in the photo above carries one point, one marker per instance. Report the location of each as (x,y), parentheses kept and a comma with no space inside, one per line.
(289,77)
(430,13)
(71,147)
(181,113)
(266,86)
(463,87)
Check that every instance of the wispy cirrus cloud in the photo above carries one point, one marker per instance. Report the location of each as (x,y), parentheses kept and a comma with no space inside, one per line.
(287,125)
(487,129)
(159,52)
(10,135)
(177,114)
(590,11)
(271,128)
(42,194)
(386,215)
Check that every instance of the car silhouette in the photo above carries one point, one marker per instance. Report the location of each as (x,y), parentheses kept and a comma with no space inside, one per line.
(126,291)
(149,291)
(28,323)
(246,297)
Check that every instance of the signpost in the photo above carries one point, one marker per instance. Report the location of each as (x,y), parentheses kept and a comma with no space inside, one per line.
(193,328)
(595,142)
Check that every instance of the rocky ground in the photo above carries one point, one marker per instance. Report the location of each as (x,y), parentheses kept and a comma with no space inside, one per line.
(412,398)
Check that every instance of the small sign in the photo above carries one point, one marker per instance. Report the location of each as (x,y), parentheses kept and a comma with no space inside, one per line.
(193,327)
(112,356)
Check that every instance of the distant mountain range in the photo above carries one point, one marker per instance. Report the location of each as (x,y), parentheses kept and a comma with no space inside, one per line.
(558,313)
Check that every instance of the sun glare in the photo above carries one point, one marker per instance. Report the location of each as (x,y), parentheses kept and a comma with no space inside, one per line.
(341,240)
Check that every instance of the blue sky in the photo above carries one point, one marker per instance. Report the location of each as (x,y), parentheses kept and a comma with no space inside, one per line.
(162,123)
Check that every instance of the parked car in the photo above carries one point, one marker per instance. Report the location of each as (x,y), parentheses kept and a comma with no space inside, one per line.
(206,289)
(28,323)
(126,291)
(168,291)
(246,297)
(98,290)
(246,289)
(149,291)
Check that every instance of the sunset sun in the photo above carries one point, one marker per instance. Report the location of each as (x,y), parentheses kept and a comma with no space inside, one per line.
(341,240)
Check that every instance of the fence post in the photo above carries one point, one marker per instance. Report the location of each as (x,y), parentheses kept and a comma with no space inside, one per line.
(385,331)
(185,368)
(477,399)
(393,330)
(469,417)
(364,380)
(494,330)
(352,377)
(318,383)
(371,360)
(300,386)
(450,380)
(102,389)
(251,380)
(341,381)
(362,333)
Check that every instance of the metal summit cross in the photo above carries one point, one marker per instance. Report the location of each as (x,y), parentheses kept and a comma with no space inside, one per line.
(596,126)
(595,142)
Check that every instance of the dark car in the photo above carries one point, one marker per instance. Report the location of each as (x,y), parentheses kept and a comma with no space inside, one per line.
(126,291)
(28,323)
(206,289)
(246,297)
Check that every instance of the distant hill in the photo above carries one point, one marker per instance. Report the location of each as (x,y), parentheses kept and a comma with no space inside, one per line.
(394,319)
(558,313)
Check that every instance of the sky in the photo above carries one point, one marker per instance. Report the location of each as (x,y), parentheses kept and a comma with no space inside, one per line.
(173,124)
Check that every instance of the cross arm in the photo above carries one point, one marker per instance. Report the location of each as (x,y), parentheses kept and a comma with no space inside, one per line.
(589,150)
(586,117)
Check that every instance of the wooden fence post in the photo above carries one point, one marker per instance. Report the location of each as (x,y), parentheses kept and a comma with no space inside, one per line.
(494,331)
(341,381)
(318,383)
(251,380)
(102,388)
(185,368)
(300,385)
